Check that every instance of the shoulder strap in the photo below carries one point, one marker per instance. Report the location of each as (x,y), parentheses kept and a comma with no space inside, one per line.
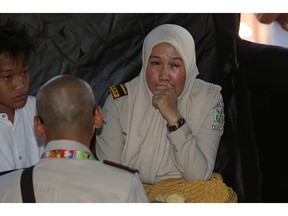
(26,183)
(120,166)
(8,171)
(118,90)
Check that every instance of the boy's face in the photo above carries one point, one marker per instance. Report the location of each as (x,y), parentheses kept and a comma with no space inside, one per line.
(14,82)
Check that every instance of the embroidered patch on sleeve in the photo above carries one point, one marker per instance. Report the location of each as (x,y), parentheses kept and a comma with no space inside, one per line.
(219,119)
(118,90)
(105,111)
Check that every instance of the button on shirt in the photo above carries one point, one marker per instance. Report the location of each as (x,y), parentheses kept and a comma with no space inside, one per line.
(19,146)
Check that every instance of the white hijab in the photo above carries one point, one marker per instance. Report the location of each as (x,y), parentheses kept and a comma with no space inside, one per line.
(147,144)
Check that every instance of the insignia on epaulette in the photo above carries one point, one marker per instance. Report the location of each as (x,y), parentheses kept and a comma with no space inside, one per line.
(110,163)
(118,90)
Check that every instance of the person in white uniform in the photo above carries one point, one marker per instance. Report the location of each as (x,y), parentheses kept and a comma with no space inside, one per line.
(68,172)
(19,146)
(166,123)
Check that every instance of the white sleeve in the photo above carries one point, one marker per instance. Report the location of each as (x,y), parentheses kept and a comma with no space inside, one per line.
(195,154)
(109,139)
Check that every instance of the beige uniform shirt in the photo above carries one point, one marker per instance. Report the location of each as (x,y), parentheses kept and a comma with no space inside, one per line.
(74,180)
(184,146)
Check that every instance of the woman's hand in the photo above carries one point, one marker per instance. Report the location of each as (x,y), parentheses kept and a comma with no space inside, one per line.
(165,100)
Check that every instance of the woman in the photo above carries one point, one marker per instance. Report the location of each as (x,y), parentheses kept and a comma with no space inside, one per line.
(165,122)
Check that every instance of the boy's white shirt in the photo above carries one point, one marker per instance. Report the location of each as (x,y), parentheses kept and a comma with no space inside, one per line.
(19,147)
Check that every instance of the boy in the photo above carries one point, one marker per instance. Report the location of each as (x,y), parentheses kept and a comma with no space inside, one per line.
(19,147)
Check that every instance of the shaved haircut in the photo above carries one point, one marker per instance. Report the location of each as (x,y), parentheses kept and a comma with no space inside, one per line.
(65,103)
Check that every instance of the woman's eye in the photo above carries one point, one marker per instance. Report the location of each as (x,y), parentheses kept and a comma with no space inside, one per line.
(155,63)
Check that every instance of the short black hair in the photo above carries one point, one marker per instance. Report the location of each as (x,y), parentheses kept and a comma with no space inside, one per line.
(15,40)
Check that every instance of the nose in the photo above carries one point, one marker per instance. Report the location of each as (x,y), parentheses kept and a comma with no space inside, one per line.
(18,82)
(165,75)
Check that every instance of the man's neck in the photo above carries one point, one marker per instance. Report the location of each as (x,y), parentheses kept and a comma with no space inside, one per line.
(81,140)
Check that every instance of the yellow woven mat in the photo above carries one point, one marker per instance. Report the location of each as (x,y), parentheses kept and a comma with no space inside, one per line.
(212,191)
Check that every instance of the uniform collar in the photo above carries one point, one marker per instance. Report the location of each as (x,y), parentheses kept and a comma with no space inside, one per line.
(67,149)
(66,144)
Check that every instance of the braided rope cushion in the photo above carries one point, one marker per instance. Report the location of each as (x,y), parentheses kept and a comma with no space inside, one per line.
(212,191)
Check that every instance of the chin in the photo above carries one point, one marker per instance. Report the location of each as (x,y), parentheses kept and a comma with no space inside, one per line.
(20,104)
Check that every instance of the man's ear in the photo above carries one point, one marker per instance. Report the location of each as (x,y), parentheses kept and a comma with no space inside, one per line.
(98,118)
(39,128)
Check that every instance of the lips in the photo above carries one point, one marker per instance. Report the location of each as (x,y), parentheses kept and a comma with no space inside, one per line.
(20,97)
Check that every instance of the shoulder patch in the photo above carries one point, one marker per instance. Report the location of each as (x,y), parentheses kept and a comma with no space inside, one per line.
(219,117)
(110,163)
(118,90)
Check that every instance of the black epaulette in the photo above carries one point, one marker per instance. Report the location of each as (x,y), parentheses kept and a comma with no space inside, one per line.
(118,90)
(110,163)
